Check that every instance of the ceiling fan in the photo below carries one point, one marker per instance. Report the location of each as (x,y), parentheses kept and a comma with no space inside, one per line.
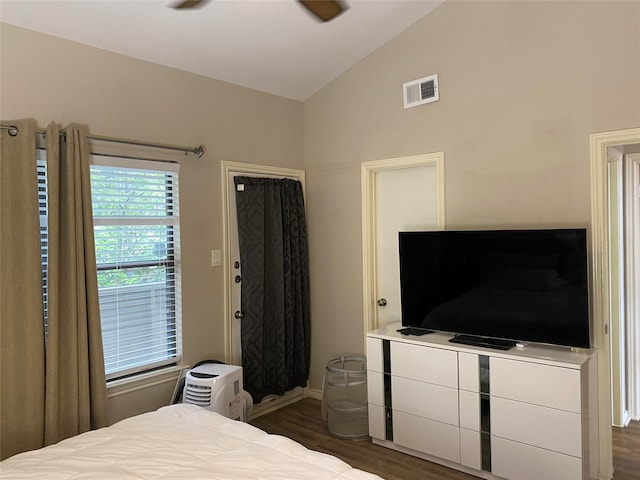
(323,10)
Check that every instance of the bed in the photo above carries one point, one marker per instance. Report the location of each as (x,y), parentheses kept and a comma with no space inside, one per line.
(178,442)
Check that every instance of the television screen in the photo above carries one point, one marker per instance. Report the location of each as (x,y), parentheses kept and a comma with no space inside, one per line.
(519,285)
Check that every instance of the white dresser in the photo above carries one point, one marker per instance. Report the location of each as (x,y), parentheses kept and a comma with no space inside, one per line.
(522,414)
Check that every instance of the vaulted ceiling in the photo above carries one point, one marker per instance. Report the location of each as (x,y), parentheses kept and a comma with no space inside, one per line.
(274,46)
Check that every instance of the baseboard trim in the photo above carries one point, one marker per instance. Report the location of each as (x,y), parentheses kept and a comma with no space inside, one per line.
(314,393)
(277,402)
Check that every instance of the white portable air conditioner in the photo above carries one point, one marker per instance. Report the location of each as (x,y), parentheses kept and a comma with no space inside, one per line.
(216,387)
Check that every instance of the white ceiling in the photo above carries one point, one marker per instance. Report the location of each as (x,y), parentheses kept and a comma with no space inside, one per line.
(274,46)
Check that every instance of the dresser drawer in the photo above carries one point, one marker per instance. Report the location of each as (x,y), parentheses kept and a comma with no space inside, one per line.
(377,421)
(544,385)
(425,364)
(425,400)
(374,354)
(517,461)
(469,376)
(426,436)
(470,453)
(375,388)
(469,408)
(543,427)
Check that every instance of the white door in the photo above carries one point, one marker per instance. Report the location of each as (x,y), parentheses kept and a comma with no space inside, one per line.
(405,201)
(233,268)
(402,194)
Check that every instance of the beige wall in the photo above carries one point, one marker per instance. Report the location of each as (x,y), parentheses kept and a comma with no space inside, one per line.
(47,78)
(522,85)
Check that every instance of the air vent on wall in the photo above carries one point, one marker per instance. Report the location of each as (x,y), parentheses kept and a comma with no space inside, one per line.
(421,91)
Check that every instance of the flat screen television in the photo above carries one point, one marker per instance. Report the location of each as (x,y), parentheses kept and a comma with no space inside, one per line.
(497,287)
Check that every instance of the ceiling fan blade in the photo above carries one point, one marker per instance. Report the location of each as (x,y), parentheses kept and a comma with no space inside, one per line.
(188,4)
(324,10)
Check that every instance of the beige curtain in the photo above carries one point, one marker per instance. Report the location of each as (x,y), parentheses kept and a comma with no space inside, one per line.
(75,378)
(55,390)
(22,362)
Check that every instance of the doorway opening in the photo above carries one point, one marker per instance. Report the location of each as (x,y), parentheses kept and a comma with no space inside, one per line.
(608,282)
(624,234)
(632,279)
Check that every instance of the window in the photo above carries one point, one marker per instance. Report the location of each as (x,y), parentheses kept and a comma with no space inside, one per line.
(137,238)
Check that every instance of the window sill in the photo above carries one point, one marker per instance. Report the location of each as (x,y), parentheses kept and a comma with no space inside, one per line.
(143,380)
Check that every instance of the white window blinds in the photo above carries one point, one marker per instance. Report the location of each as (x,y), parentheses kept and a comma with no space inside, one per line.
(137,237)
(41,165)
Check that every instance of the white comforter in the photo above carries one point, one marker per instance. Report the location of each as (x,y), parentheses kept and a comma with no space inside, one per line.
(178,442)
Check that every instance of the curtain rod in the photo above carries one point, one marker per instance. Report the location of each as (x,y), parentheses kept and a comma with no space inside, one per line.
(197,151)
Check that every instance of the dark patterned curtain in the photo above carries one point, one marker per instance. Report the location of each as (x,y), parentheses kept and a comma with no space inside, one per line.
(275,332)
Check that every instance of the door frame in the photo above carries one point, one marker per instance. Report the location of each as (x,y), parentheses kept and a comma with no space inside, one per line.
(253,170)
(601,274)
(368,172)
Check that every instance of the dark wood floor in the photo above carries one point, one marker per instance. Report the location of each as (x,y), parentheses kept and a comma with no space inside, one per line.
(626,452)
(303,423)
